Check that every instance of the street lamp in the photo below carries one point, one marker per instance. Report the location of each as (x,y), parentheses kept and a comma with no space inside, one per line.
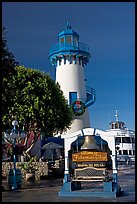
(15,133)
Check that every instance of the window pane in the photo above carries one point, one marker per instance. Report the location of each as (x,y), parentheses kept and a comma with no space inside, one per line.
(116,125)
(130,152)
(125,152)
(118,140)
(75,40)
(126,139)
(61,40)
(133,140)
(68,39)
(119,151)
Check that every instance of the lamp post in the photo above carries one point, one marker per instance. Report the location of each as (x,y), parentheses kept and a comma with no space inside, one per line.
(15,133)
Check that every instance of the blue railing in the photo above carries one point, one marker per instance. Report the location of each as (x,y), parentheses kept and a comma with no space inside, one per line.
(67,47)
(91,96)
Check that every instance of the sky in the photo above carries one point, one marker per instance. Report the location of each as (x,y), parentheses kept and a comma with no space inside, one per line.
(108,28)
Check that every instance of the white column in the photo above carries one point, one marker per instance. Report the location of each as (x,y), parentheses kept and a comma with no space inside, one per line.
(67,146)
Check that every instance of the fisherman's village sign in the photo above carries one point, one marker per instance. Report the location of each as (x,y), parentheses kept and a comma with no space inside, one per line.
(85,156)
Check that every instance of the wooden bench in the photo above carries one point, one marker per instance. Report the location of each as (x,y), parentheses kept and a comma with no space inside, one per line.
(89,174)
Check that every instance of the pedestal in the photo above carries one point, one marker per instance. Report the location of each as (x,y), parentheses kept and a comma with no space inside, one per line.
(108,186)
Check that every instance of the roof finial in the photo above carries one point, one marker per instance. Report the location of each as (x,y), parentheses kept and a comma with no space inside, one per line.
(68,26)
(116,115)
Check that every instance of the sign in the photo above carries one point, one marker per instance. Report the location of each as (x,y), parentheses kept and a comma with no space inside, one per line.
(97,165)
(89,156)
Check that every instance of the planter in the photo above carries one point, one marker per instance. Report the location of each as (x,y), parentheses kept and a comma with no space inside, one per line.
(30,177)
(18,178)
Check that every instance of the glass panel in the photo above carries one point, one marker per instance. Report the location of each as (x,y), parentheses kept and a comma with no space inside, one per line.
(118,140)
(61,40)
(68,39)
(112,126)
(126,140)
(119,151)
(116,126)
(130,153)
(133,140)
(75,40)
(125,152)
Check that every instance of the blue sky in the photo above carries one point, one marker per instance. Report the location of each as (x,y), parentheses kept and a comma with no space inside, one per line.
(108,29)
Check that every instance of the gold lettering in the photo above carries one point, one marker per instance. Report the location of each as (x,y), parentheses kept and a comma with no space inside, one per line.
(89,156)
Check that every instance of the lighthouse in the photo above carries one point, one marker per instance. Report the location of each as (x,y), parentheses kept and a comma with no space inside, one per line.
(69,57)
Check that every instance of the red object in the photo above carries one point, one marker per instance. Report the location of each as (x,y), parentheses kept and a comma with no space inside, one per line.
(78,103)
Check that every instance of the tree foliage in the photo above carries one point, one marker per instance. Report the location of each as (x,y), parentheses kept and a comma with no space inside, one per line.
(39,100)
(7,72)
(32,96)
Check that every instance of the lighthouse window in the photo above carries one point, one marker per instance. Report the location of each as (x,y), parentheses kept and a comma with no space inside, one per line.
(61,40)
(75,40)
(68,39)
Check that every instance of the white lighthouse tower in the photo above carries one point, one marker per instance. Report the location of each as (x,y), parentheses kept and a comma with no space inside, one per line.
(69,56)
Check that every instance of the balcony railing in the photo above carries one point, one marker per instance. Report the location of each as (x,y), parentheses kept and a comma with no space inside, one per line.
(68,47)
(91,96)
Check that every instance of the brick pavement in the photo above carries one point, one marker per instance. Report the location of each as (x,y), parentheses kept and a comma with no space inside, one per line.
(47,191)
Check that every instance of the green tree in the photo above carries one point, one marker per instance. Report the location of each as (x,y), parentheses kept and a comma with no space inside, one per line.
(38,99)
(7,72)
(33,97)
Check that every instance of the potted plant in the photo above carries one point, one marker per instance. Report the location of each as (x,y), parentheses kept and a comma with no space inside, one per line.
(29,169)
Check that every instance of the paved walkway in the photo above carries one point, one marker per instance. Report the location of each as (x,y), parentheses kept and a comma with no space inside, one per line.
(47,191)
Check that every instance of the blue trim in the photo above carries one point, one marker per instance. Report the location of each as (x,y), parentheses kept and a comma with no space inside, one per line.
(91,96)
(82,59)
(70,47)
(68,32)
(67,47)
